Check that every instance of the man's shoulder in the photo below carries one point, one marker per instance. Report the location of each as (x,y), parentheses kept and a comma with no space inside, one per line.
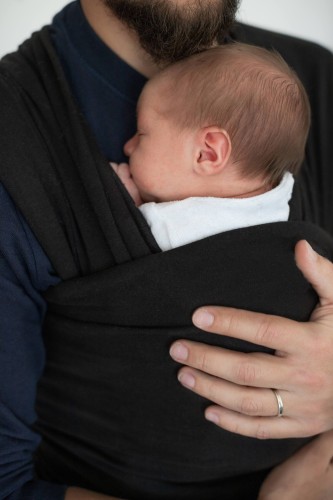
(299,53)
(270,39)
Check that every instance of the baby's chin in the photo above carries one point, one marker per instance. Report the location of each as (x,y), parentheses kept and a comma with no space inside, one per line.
(149,198)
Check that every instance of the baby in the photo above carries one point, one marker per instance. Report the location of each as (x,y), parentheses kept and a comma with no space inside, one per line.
(219,136)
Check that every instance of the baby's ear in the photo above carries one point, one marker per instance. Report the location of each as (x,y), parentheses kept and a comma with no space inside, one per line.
(213,150)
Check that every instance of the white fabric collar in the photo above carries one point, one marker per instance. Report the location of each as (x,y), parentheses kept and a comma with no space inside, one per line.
(177,223)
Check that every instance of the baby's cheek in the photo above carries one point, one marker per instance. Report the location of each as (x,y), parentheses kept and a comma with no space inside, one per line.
(148,185)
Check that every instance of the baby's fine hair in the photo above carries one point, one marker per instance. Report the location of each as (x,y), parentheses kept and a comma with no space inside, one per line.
(252,94)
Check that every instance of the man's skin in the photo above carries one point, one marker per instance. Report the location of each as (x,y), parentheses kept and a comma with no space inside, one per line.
(240,384)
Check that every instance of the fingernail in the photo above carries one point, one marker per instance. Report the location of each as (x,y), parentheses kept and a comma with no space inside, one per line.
(311,253)
(186,379)
(203,319)
(179,352)
(212,417)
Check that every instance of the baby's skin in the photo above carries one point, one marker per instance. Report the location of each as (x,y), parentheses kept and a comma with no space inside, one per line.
(124,174)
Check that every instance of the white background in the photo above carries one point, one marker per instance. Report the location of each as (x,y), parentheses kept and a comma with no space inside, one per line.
(304,18)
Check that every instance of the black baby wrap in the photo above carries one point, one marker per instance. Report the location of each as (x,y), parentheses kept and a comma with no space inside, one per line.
(111,410)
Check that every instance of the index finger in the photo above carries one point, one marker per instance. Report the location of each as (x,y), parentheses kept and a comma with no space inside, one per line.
(275,332)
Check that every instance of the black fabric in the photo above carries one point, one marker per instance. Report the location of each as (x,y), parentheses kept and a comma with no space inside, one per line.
(71,198)
(117,418)
(112,415)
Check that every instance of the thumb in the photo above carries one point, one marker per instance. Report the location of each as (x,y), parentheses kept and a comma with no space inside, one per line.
(317,270)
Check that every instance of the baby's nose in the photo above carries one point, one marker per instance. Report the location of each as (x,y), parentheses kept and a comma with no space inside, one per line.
(130,145)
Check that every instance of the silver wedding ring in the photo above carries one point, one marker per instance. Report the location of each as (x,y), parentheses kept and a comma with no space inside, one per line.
(279,402)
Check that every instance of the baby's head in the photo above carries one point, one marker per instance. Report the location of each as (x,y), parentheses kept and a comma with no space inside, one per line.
(225,122)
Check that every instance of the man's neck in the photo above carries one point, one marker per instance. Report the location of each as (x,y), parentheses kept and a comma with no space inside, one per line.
(118,37)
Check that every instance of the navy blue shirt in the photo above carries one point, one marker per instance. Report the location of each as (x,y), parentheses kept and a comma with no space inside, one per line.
(107,90)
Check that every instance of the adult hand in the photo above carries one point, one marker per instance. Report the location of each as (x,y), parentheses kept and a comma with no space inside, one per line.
(240,384)
(307,475)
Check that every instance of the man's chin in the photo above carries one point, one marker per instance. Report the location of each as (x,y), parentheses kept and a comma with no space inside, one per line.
(169,31)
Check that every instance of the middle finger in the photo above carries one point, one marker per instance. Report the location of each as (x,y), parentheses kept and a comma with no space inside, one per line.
(246,400)
(249,369)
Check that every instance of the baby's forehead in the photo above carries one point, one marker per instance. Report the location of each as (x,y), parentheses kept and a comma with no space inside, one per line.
(154,95)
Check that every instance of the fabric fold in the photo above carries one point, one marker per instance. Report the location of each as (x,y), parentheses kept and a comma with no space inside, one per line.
(65,183)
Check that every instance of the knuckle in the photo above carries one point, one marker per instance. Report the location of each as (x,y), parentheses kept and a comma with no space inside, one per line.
(250,406)
(267,331)
(262,432)
(230,321)
(203,362)
(247,373)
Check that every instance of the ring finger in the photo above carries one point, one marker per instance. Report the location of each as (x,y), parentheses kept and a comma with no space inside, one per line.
(241,399)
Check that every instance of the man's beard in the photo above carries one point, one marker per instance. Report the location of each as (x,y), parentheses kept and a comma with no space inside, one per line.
(170,32)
